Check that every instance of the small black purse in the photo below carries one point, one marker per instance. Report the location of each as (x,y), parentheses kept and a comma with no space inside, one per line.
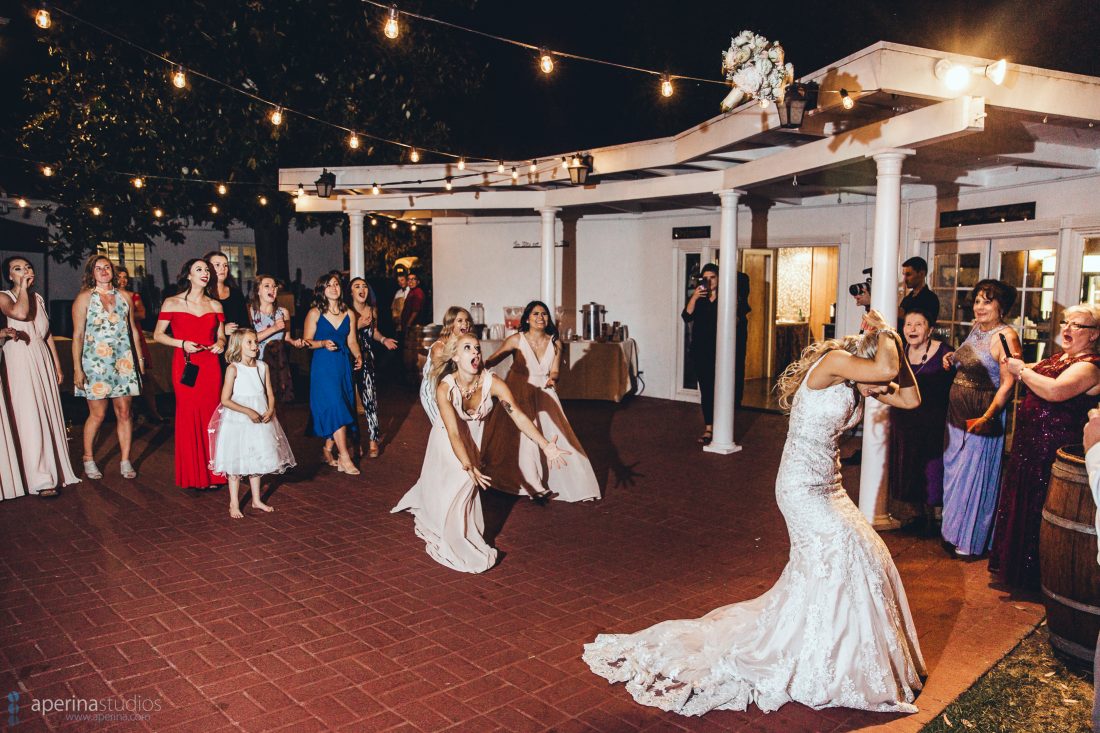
(190,372)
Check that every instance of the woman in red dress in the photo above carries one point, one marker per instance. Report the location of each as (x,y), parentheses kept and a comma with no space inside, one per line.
(198,335)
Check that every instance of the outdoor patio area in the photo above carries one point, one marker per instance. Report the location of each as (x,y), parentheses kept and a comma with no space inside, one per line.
(328,614)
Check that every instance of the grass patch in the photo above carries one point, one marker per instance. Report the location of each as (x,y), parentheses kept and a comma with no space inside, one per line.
(1029,691)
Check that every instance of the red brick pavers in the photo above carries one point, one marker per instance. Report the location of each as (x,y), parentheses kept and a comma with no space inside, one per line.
(328,615)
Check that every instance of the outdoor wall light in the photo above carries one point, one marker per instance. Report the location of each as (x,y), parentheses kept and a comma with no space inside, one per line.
(798,99)
(579,168)
(956,76)
(325,183)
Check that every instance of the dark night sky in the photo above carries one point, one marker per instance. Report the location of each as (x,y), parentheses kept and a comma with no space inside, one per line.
(518,113)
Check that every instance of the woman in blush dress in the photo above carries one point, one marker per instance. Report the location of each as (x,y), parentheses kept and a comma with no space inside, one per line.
(444,502)
(455,320)
(11,478)
(1058,393)
(104,368)
(33,373)
(366,317)
(835,630)
(517,463)
(198,336)
(975,421)
(330,332)
(916,436)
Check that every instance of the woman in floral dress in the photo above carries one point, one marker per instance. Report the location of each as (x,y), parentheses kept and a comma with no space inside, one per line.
(104,366)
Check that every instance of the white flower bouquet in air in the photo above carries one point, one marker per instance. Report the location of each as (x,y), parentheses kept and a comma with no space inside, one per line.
(756,68)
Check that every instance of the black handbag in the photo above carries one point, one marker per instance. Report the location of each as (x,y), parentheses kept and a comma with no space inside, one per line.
(190,372)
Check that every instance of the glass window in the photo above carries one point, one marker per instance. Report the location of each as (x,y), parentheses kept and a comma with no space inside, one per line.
(242,263)
(1032,273)
(1090,281)
(130,255)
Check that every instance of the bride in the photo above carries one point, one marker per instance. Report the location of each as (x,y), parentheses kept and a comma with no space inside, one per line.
(835,630)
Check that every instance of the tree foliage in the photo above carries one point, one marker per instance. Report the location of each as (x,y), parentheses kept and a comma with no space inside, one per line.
(103,112)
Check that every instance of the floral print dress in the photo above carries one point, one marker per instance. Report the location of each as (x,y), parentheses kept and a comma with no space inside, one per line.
(107,357)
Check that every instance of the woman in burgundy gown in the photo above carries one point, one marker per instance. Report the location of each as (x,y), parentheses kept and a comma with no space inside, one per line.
(198,335)
(1060,391)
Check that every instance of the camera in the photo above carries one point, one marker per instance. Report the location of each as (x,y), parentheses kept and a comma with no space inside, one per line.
(856,289)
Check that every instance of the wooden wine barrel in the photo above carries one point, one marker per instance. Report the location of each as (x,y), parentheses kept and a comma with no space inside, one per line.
(1067,557)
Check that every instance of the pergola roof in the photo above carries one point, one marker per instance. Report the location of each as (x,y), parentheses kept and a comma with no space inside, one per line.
(1039,125)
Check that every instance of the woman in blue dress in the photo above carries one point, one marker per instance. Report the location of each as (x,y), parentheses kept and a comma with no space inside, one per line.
(330,333)
(975,421)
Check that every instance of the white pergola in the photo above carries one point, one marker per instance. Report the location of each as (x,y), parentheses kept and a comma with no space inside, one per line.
(908,135)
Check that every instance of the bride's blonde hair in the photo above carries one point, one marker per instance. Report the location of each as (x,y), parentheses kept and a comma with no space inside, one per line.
(864,345)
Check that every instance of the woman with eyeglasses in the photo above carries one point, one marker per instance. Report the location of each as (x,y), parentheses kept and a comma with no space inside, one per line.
(1058,392)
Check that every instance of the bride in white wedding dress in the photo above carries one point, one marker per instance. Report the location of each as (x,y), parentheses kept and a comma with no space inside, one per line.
(835,630)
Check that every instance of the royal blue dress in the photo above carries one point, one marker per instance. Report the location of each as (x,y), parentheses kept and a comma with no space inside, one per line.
(331,400)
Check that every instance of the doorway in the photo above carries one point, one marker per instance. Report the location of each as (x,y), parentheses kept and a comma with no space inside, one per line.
(792,293)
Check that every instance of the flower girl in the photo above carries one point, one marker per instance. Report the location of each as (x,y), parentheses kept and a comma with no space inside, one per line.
(245,437)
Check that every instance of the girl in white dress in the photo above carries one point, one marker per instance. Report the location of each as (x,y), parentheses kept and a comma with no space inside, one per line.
(444,502)
(245,436)
(835,630)
(516,463)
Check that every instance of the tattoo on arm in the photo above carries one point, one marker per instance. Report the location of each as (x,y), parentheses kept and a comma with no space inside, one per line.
(507,407)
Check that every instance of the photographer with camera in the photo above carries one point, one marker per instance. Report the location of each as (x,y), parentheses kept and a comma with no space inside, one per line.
(862,291)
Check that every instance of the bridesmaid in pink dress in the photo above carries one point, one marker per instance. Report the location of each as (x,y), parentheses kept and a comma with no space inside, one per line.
(32,374)
(11,480)
(517,463)
(444,502)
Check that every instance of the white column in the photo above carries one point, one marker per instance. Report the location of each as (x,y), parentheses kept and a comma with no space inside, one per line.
(356,253)
(725,362)
(549,261)
(873,475)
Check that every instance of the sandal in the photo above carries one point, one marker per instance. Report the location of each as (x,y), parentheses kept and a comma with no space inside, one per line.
(374,450)
(127,470)
(92,471)
(706,437)
(48,493)
(349,469)
(326,457)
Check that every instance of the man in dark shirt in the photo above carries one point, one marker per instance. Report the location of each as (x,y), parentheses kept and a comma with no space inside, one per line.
(919,298)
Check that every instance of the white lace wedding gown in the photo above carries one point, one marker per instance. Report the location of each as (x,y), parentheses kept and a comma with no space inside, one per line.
(834,631)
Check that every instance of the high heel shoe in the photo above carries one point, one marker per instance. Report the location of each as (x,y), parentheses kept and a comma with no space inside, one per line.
(348,468)
(374,450)
(326,457)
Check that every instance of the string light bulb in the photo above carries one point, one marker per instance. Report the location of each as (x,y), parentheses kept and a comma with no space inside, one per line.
(413,227)
(138,182)
(515,174)
(393,225)
(277,116)
(534,165)
(500,166)
(374,189)
(414,156)
(96,211)
(666,85)
(263,200)
(22,202)
(47,170)
(392,28)
(179,78)
(42,19)
(564,164)
(462,164)
(301,191)
(447,183)
(222,190)
(546,61)
(158,213)
(213,208)
(353,141)
(373,222)
(846,100)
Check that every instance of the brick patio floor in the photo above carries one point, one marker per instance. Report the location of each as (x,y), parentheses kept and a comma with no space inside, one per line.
(328,614)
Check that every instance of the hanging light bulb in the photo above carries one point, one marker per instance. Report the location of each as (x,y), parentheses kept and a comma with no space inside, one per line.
(462,164)
(263,200)
(213,208)
(846,100)
(500,167)
(375,189)
(515,173)
(138,182)
(666,85)
(179,79)
(414,156)
(393,225)
(222,190)
(277,116)
(392,29)
(564,164)
(22,202)
(534,165)
(47,170)
(447,183)
(42,19)
(158,212)
(96,211)
(301,191)
(546,61)
(413,227)
(373,222)
(353,141)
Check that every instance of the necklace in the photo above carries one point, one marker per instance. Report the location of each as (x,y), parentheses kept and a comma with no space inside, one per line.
(924,358)
(468,393)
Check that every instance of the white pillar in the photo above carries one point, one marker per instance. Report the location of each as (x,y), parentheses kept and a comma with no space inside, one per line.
(549,261)
(356,253)
(725,361)
(873,475)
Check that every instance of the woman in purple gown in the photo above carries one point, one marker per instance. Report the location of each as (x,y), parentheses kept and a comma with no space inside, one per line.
(975,421)
(1059,391)
(916,436)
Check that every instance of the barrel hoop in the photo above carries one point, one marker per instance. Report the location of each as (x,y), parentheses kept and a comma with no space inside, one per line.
(1071,647)
(1076,605)
(1066,474)
(1068,523)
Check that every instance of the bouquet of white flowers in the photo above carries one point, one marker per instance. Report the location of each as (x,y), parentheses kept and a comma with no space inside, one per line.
(755,67)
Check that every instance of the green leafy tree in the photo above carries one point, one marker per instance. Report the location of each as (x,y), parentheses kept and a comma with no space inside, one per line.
(103,111)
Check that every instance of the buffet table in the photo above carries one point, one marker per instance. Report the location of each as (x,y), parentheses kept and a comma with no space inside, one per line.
(590,370)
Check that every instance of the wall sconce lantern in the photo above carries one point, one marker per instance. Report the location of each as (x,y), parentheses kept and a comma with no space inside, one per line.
(799,99)
(579,167)
(325,183)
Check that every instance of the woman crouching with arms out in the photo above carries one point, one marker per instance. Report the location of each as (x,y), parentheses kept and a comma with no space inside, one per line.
(444,502)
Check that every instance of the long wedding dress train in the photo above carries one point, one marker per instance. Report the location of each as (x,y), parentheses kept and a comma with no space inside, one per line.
(834,631)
